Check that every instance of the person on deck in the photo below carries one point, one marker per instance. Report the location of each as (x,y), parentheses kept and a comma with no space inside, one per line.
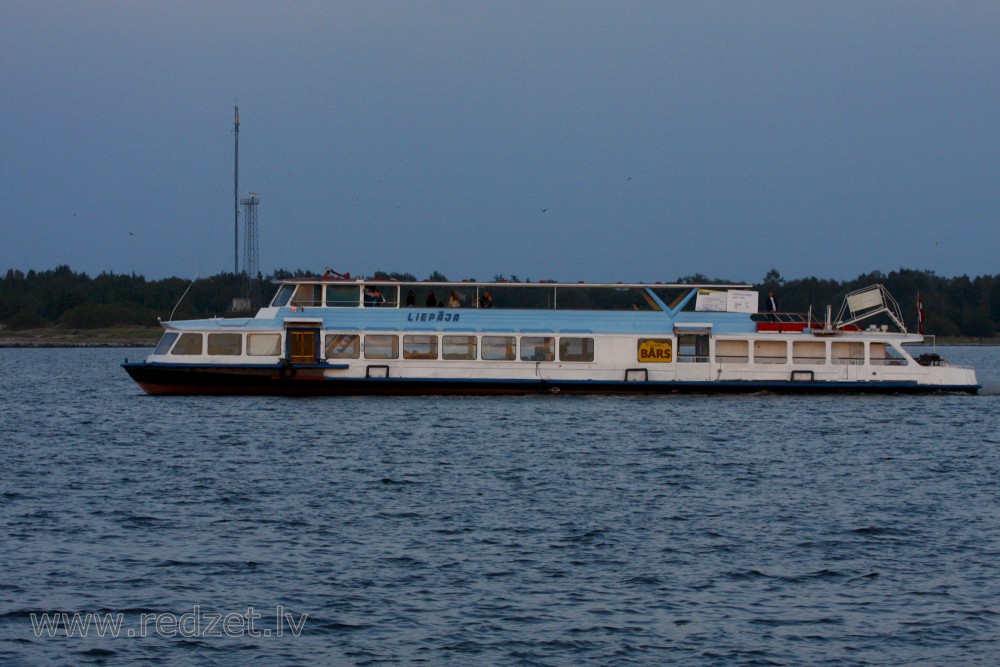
(771,306)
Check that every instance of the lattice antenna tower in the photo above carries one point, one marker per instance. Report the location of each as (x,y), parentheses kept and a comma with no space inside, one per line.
(236,189)
(251,256)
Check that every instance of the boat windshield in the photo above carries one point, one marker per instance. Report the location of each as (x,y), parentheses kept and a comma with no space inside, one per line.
(164,345)
(283,295)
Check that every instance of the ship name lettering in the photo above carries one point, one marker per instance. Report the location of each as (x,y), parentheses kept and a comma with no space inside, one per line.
(439,316)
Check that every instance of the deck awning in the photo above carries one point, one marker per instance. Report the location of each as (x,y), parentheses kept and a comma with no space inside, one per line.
(692,327)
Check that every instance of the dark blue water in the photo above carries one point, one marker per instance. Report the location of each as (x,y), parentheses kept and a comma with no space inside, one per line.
(750,530)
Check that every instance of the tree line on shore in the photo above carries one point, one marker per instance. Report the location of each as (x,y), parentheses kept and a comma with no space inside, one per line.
(958,306)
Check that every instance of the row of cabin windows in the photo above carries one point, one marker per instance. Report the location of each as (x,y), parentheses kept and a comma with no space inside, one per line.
(805,352)
(692,348)
(386,346)
(336,296)
(220,344)
(352,296)
(459,347)
(389,296)
(372,295)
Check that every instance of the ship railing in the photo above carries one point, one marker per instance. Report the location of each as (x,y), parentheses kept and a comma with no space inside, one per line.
(782,317)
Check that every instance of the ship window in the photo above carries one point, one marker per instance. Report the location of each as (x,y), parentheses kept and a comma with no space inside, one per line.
(576,349)
(342,296)
(343,346)
(374,298)
(498,348)
(308,295)
(848,353)
(420,347)
(770,352)
(225,344)
(189,343)
(165,342)
(692,348)
(264,345)
(809,352)
(458,347)
(283,295)
(379,346)
(886,355)
(732,351)
(538,348)
(381,296)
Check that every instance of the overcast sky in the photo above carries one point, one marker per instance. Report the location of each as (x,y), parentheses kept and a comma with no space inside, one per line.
(596,141)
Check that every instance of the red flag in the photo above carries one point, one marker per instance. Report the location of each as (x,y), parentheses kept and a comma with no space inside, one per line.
(920,315)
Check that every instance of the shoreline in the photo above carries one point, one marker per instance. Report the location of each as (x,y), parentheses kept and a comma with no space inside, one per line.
(55,337)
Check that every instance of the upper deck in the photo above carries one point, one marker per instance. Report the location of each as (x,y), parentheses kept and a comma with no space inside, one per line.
(546,295)
(501,306)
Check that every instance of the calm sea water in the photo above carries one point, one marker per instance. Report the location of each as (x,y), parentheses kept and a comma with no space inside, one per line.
(748,530)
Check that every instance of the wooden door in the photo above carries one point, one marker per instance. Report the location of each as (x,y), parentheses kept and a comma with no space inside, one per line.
(302,346)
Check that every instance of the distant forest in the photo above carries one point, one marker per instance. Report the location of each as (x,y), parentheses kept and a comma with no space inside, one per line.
(960,306)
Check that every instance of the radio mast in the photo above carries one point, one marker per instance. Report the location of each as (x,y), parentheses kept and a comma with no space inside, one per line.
(251,258)
(236,190)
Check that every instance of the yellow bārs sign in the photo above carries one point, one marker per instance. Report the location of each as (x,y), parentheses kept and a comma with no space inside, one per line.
(655,351)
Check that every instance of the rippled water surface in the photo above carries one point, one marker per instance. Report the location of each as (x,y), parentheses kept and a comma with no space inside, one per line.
(747,530)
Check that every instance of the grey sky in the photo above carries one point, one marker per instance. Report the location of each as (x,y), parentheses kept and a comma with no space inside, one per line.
(663,138)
